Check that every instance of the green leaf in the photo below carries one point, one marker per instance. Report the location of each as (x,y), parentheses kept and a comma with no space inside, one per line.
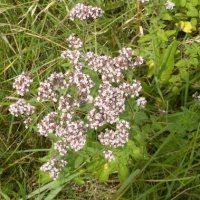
(130,76)
(194,2)
(167,17)
(192,13)
(22,190)
(53,193)
(193,23)
(140,117)
(176,90)
(78,161)
(136,152)
(106,170)
(170,32)
(181,63)
(4,196)
(162,35)
(138,135)
(145,38)
(66,64)
(44,177)
(79,181)
(95,165)
(167,64)
(174,79)
(123,172)
(182,2)
(103,174)
(152,69)
(184,74)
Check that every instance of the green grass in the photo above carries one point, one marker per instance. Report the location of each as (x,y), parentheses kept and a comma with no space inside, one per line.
(33,35)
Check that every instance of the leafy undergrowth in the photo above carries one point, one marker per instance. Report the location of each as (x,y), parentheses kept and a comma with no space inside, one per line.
(161,158)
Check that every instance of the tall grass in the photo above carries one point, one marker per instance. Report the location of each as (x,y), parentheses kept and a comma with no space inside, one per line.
(33,35)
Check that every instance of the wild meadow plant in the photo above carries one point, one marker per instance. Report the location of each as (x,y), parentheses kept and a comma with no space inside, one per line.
(78,107)
(127,109)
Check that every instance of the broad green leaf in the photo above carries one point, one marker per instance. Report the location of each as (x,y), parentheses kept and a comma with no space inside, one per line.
(107,169)
(44,177)
(130,76)
(140,117)
(170,32)
(194,2)
(181,63)
(79,181)
(193,23)
(167,64)
(145,38)
(167,17)
(162,35)
(184,74)
(123,172)
(192,12)
(182,2)
(95,165)
(66,64)
(174,79)
(176,90)
(136,152)
(103,174)
(152,69)
(78,161)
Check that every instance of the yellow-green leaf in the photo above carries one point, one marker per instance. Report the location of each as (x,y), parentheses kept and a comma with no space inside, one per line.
(167,63)
(185,26)
(123,172)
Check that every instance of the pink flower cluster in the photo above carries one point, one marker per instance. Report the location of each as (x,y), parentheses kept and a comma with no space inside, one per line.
(27,122)
(83,83)
(84,12)
(49,88)
(22,83)
(66,104)
(110,68)
(53,166)
(115,138)
(131,89)
(196,95)
(169,5)
(48,124)
(141,102)
(108,155)
(105,66)
(72,56)
(107,106)
(126,53)
(74,42)
(21,107)
(73,135)
(138,61)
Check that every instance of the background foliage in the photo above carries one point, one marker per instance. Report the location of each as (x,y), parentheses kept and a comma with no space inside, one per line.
(161,160)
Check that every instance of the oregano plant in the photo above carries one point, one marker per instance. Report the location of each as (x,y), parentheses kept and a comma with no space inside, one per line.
(88,116)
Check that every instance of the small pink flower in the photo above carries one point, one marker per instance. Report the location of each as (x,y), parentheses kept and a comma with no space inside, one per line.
(141,102)
(169,5)
(109,155)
